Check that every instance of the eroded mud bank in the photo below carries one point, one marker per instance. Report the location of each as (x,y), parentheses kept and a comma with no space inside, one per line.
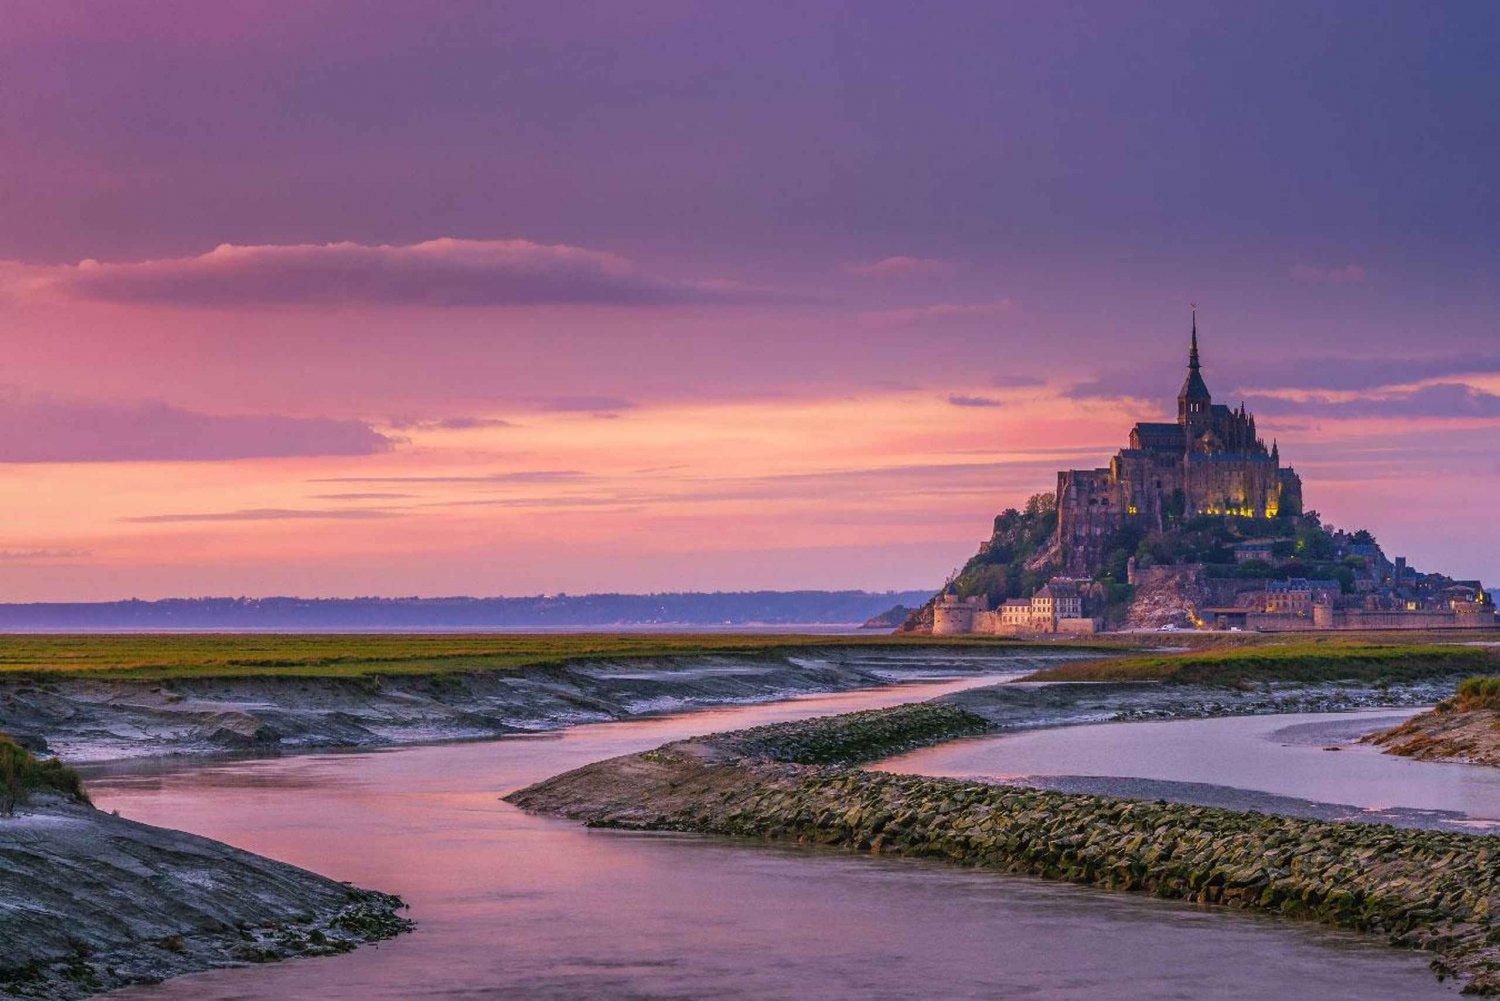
(90,902)
(1448,732)
(89,719)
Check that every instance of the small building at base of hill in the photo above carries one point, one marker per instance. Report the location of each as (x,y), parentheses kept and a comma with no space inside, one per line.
(1057,607)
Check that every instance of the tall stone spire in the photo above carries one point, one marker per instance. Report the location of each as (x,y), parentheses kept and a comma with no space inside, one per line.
(1194,401)
(1193,351)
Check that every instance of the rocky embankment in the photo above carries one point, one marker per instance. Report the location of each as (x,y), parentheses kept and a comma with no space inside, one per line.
(1422,889)
(92,717)
(1446,733)
(90,902)
(1031,705)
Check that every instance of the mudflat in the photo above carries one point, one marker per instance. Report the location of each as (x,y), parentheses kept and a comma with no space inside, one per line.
(90,902)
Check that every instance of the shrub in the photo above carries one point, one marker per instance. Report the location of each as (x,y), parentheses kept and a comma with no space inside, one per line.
(21,774)
(1479,693)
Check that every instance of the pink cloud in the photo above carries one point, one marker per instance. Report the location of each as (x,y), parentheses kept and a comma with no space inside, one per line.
(597,405)
(263,514)
(41,555)
(463,422)
(52,429)
(899,266)
(442,272)
(1349,274)
(364,496)
(942,312)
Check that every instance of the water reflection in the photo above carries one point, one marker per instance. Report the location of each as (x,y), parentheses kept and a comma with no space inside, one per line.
(1309,757)
(516,906)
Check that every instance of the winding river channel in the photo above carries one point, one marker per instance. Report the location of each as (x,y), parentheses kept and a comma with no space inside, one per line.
(514,906)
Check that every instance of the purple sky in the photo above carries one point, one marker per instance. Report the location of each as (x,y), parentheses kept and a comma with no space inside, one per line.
(672,247)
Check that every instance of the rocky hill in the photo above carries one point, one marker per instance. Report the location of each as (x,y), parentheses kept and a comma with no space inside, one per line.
(1187,565)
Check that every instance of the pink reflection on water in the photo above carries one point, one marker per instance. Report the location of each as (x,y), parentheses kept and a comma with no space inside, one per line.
(510,905)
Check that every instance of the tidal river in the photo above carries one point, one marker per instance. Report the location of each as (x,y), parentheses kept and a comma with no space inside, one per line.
(513,906)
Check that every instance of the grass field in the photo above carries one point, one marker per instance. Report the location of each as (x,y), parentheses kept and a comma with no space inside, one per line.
(1303,660)
(219,655)
(164,656)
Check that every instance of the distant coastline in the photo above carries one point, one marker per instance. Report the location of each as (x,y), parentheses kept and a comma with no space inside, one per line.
(736,611)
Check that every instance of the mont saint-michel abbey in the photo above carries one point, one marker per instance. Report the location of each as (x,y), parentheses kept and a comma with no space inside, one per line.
(1209,461)
(1259,569)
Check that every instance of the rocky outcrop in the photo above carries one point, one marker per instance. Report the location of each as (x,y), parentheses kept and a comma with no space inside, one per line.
(919,620)
(853,737)
(891,618)
(1421,889)
(1167,596)
(91,902)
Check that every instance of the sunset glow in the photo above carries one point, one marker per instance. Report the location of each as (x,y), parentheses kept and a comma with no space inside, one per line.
(446,317)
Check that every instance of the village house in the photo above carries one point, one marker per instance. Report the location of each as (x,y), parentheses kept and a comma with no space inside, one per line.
(1057,607)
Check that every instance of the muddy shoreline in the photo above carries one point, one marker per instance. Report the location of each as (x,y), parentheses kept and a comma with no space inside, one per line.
(88,719)
(1448,732)
(251,909)
(92,902)
(1030,705)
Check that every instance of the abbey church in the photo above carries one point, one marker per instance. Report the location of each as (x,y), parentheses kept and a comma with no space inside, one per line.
(1209,461)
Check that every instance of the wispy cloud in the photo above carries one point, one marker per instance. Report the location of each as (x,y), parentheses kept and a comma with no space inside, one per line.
(1013,380)
(1348,274)
(598,405)
(53,429)
(460,423)
(263,514)
(940,312)
(961,400)
(40,555)
(1434,400)
(442,272)
(899,266)
(519,476)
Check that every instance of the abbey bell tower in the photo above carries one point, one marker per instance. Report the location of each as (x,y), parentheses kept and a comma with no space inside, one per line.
(1194,404)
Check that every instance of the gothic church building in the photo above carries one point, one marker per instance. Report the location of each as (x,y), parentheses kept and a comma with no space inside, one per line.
(1210,461)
